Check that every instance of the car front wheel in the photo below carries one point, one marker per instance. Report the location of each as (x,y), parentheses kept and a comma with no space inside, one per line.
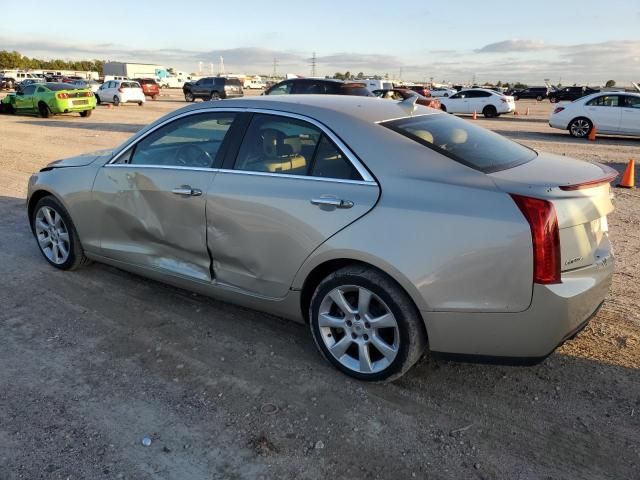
(188,97)
(56,235)
(366,325)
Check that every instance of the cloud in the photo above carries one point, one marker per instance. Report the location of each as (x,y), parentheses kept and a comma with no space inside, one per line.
(514,46)
(529,61)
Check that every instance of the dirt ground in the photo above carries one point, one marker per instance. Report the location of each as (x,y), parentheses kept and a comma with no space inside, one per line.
(93,361)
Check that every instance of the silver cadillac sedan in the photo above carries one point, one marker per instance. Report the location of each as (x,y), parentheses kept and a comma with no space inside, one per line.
(386,226)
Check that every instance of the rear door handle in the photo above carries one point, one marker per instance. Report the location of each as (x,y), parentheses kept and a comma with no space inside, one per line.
(187,191)
(332,202)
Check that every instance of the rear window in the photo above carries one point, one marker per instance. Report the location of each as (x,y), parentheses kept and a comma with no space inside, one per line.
(130,85)
(55,87)
(233,81)
(463,141)
(358,89)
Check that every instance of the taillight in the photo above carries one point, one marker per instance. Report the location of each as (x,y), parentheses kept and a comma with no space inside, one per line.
(87,94)
(62,95)
(504,100)
(545,235)
(121,90)
(558,109)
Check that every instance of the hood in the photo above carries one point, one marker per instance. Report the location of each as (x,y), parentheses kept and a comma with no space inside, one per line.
(80,160)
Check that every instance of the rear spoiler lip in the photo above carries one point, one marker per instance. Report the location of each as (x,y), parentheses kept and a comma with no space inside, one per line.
(609,176)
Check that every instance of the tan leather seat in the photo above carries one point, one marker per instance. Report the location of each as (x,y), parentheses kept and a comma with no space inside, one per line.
(279,153)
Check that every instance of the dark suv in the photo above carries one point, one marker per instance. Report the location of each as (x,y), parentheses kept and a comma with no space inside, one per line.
(324,86)
(570,93)
(539,93)
(212,88)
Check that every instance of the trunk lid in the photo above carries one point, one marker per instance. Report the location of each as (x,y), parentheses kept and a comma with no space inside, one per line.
(581,195)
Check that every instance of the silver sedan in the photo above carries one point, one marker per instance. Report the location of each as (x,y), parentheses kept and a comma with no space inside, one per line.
(386,226)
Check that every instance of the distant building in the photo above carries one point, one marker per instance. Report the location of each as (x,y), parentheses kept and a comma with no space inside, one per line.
(134,70)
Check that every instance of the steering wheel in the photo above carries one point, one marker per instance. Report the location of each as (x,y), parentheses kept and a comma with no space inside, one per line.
(191,155)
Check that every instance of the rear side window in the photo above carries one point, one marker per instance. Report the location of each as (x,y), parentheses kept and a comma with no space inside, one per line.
(605,101)
(463,142)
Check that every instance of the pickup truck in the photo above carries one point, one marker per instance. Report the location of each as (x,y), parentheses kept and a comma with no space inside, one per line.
(570,94)
(212,88)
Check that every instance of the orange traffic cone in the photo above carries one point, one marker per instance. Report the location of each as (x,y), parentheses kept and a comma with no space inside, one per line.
(592,134)
(628,179)
(475,115)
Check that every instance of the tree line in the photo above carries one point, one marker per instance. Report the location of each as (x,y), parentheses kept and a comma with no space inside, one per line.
(11,60)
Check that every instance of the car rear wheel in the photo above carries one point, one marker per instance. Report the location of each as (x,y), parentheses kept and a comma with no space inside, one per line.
(580,127)
(56,235)
(9,108)
(86,113)
(98,101)
(516,98)
(140,104)
(189,97)
(443,108)
(366,325)
(215,96)
(490,111)
(116,100)
(43,110)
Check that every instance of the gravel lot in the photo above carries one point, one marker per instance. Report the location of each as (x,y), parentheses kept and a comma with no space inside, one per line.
(95,360)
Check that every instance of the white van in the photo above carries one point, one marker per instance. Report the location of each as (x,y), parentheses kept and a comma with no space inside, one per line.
(254,84)
(376,84)
(108,78)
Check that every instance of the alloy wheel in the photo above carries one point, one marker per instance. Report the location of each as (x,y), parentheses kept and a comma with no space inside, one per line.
(52,234)
(358,329)
(580,128)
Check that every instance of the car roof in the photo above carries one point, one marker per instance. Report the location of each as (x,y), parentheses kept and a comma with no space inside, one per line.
(324,108)
(480,90)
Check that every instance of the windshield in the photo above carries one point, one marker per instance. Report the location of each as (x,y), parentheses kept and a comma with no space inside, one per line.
(54,87)
(463,142)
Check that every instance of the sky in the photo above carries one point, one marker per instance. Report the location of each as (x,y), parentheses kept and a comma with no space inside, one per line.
(570,41)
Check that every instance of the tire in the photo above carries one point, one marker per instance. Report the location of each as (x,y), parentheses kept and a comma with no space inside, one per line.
(539,98)
(9,109)
(443,108)
(490,111)
(98,101)
(116,101)
(86,113)
(65,229)
(580,127)
(402,340)
(215,96)
(206,98)
(43,110)
(154,97)
(140,104)
(516,98)
(553,99)
(188,97)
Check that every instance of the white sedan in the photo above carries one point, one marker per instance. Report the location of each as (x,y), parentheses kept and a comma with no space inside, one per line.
(442,92)
(613,113)
(480,100)
(120,91)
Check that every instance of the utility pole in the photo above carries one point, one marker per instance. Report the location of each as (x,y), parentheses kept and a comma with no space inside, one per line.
(313,64)
(275,67)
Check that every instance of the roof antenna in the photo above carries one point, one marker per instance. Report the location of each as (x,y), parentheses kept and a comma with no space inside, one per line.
(409,103)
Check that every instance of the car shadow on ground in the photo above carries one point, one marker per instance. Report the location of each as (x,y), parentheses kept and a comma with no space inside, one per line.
(102,341)
(64,122)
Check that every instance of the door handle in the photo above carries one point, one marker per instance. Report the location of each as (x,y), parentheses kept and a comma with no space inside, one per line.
(187,191)
(332,202)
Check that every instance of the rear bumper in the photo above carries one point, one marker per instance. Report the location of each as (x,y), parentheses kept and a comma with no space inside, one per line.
(557,312)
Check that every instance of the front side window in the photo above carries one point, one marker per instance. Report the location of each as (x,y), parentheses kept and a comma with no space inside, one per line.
(290,146)
(192,141)
(632,102)
(604,101)
(28,90)
(463,142)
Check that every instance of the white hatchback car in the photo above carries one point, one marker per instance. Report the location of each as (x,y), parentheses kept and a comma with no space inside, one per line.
(616,113)
(480,100)
(120,91)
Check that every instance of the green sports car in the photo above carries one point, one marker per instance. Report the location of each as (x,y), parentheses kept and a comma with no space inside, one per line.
(50,99)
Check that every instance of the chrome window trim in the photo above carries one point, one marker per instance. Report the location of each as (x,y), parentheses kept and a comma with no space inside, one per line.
(351,157)
(246,172)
